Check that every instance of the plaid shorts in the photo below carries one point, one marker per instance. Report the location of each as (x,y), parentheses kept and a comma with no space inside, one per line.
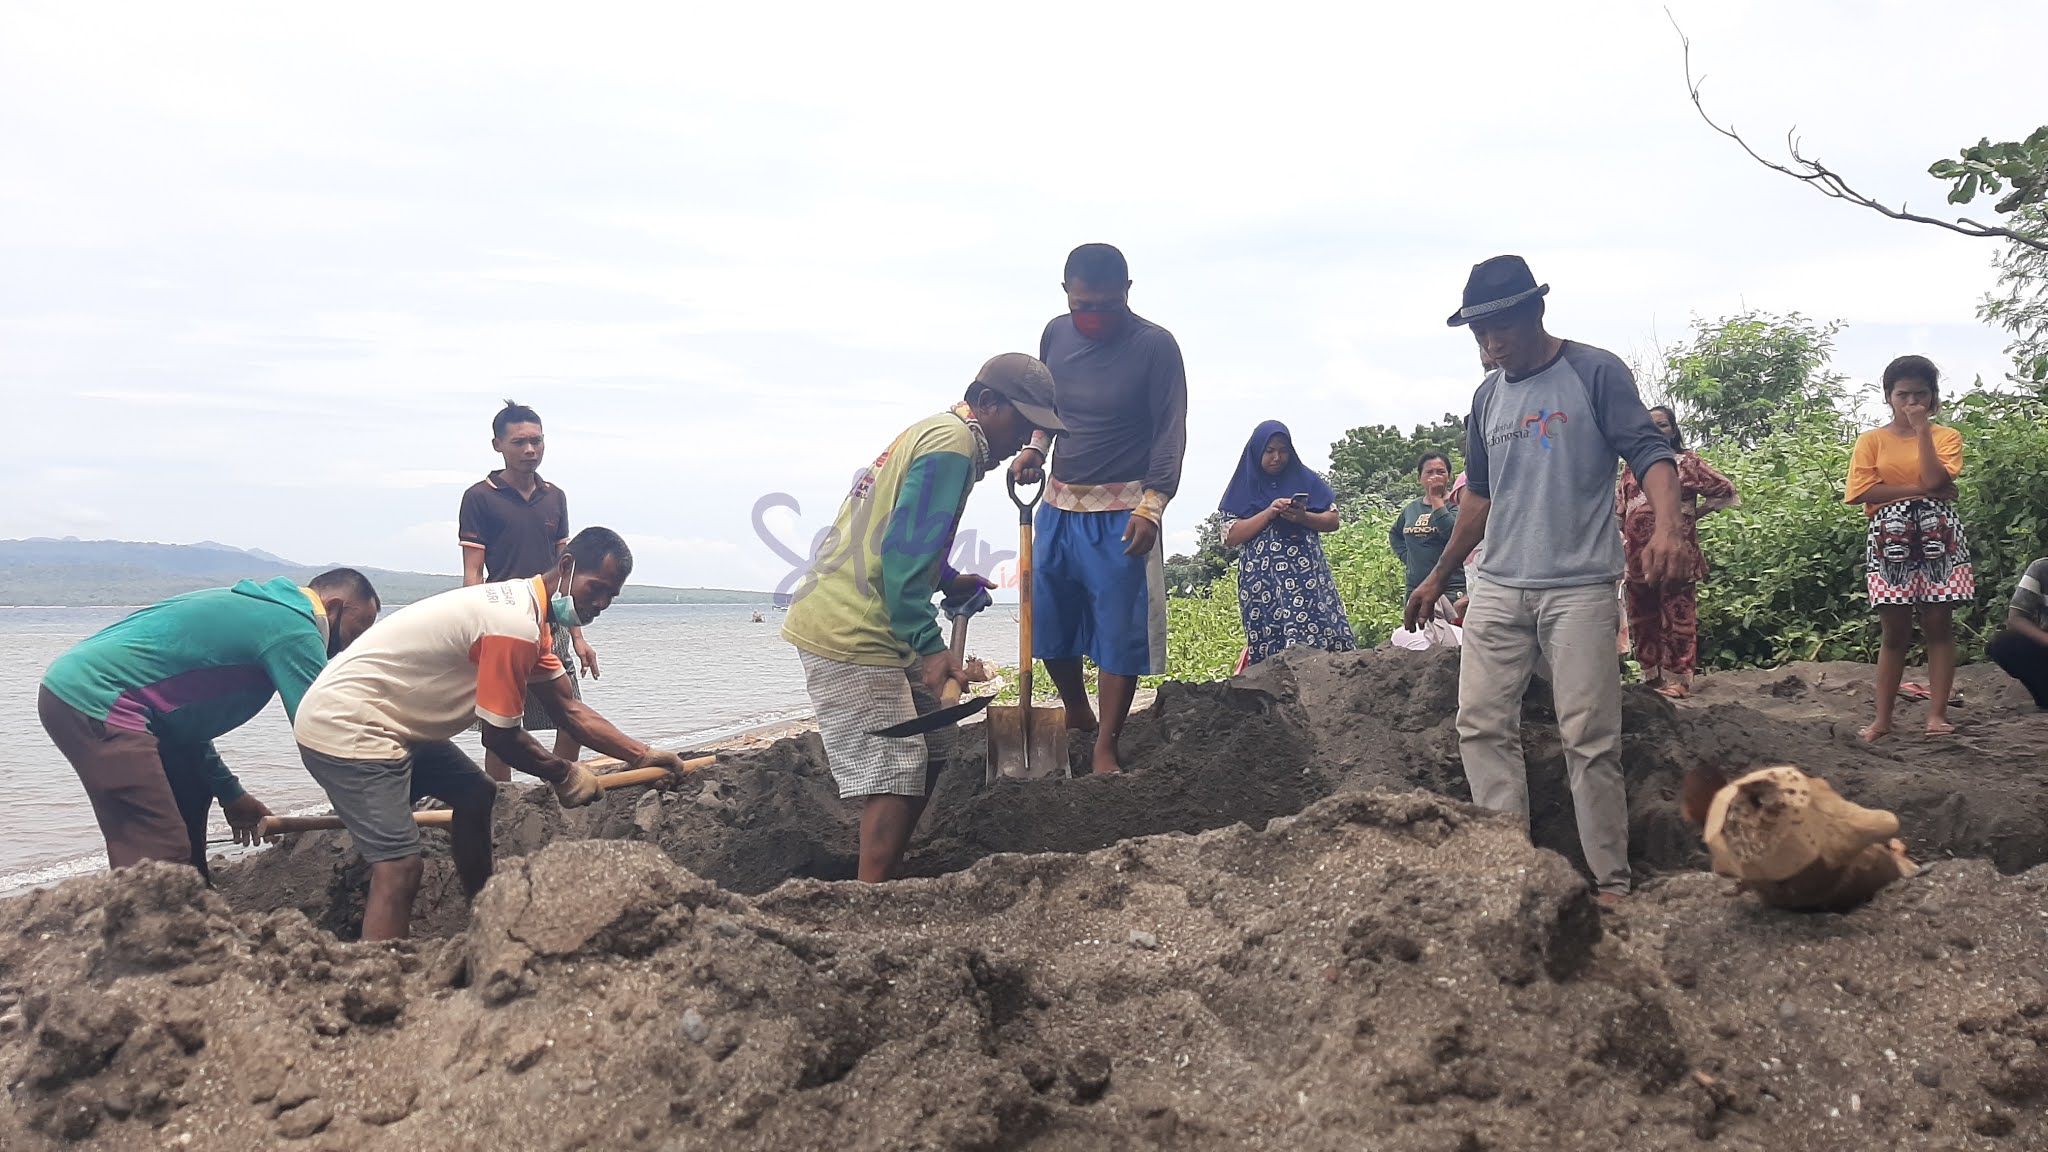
(852,700)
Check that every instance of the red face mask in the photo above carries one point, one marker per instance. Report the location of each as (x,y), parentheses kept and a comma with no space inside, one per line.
(1097,325)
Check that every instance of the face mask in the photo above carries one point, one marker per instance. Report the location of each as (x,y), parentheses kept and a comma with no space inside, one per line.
(562,606)
(1097,325)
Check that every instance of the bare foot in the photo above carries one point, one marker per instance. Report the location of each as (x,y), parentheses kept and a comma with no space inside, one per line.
(1874,733)
(1940,728)
(1672,691)
(1085,723)
(1609,901)
(1105,761)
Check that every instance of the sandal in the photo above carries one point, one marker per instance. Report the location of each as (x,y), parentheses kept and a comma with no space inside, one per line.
(1920,692)
(1673,691)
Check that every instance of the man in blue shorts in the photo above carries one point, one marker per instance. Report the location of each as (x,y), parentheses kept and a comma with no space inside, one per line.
(1098,583)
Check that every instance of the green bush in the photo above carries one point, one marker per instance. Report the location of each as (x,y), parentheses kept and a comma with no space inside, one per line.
(1787,565)
(2002,499)
(1206,634)
(1786,579)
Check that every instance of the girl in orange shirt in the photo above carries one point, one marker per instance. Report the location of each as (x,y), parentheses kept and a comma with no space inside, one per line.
(1904,475)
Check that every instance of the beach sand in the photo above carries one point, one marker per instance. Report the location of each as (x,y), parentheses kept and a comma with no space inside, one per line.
(1279,929)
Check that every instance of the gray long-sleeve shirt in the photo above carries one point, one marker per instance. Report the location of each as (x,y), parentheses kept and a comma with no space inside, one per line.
(1543,450)
(1124,402)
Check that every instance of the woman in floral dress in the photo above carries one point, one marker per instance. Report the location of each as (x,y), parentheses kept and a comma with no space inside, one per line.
(1277,510)
(1663,619)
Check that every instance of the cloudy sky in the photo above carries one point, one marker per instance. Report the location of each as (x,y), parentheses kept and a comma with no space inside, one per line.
(267,270)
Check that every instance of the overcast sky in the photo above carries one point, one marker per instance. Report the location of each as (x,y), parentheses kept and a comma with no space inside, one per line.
(267,270)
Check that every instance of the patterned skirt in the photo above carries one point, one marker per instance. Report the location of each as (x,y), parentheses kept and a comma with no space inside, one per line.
(1918,554)
(1286,595)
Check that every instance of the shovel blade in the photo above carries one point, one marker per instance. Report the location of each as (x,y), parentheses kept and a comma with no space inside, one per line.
(1026,743)
(933,721)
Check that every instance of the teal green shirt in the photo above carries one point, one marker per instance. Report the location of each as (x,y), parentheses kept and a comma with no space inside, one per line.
(197,666)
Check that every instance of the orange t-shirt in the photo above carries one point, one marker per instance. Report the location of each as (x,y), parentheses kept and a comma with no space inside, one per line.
(1882,456)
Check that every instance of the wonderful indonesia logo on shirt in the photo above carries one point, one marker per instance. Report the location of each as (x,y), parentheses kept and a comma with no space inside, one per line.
(1541,424)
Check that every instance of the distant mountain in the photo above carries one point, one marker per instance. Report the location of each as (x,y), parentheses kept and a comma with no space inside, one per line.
(73,572)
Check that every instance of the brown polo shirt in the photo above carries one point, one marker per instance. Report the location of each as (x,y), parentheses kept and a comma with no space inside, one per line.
(519,537)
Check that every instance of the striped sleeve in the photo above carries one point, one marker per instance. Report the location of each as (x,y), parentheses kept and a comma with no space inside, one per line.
(469,520)
(2026,599)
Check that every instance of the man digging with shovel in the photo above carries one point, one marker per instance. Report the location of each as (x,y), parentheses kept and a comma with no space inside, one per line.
(377,728)
(862,617)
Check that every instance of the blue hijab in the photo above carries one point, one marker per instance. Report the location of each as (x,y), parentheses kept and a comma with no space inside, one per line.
(1251,491)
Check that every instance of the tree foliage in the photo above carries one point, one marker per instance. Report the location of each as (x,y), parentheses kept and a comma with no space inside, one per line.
(2020,303)
(1378,460)
(1989,167)
(1743,377)
(1193,575)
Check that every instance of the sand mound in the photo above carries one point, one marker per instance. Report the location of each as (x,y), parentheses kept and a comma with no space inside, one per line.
(1297,728)
(1391,971)
(1389,968)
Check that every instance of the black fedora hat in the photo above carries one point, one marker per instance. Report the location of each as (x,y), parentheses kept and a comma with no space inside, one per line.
(1495,286)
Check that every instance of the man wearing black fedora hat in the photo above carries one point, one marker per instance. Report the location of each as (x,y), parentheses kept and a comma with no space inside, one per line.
(1546,428)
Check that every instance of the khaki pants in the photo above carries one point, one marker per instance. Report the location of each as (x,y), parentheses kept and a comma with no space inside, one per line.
(1506,631)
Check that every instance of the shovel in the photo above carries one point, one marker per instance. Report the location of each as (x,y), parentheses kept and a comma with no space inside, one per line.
(1025,743)
(610,774)
(951,709)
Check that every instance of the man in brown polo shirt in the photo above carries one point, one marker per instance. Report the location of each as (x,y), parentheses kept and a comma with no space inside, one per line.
(513,526)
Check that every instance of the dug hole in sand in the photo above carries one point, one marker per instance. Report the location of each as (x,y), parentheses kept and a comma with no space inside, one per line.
(1280,929)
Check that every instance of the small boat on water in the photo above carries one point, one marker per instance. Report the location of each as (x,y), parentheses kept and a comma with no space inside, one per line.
(757,618)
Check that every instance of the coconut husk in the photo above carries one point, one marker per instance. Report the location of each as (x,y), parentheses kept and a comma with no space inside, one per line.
(1796,843)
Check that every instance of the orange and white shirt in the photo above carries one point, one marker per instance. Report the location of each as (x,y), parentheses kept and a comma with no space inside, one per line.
(429,669)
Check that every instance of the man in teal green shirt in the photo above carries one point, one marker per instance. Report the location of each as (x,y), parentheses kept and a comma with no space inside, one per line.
(862,617)
(136,706)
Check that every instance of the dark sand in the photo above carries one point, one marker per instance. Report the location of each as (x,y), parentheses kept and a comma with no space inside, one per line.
(1389,969)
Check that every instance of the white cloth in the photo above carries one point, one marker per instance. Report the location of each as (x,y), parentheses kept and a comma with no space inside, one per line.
(1436,632)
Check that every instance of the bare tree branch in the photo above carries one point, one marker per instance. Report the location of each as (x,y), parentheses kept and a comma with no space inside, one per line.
(1830,183)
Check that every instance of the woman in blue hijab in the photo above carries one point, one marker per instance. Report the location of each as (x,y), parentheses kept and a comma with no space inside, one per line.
(1276,511)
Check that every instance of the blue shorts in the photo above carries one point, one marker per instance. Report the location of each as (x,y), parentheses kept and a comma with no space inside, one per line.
(1089,599)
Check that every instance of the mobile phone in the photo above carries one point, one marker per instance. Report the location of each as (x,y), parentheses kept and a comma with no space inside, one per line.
(1300,498)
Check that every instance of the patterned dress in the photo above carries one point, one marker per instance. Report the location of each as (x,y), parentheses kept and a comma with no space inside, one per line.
(1286,595)
(1916,551)
(1663,620)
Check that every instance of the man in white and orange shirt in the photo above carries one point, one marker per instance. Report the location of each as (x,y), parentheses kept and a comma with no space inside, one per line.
(376,729)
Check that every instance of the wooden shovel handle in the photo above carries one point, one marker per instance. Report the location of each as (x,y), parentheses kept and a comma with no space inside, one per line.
(280,825)
(608,778)
(632,776)
(950,694)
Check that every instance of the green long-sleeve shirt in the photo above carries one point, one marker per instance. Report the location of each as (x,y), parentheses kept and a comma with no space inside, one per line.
(867,596)
(198,666)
